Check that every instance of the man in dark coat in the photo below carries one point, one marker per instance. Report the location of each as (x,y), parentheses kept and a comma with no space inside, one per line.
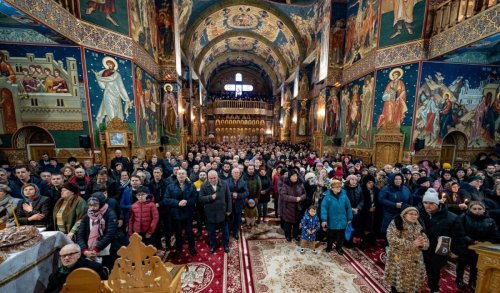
(239,192)
(438,221)
(158,188)
(71,260)
(23,176)
(181,197)
(119,158)
(472,189)
(215,196)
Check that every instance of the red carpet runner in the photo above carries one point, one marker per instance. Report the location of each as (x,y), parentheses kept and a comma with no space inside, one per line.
(214,273)
(371,262)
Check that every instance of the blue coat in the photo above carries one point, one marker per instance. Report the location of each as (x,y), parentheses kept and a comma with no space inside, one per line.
(389,196)
(309,223)
(336,211)
(175,194)
(240,187)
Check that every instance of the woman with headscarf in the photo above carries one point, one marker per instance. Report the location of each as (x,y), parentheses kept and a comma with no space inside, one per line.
(455,201)
(33,209)
(293,193)
(7,205)
(478,227)
(98,230)
(336,215)
(440,184)
(405,269)
(354,192)
(69,210)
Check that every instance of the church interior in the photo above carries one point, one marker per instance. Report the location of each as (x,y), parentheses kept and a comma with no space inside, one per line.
(386,81)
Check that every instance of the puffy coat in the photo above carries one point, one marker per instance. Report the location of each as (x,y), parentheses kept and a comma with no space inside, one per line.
(493,207)
(128,198)
(143,218)
(479,228)
(266,187)
(389,196)
(336,210)
(175,194)
(288,193)
(240,187)
(216,209)
(254,185)
(309,223)
(442,223)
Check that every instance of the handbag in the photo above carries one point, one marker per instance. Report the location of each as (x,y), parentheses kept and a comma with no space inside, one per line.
(443,246)
(348,231)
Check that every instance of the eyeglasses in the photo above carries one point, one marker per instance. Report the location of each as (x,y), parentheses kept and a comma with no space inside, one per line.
(69,254)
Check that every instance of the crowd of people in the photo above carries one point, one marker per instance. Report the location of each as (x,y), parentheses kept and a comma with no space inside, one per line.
(231,95)
(426,213)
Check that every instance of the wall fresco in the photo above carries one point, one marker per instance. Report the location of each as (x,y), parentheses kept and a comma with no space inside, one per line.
(147,101)
(143,26)
(110,14)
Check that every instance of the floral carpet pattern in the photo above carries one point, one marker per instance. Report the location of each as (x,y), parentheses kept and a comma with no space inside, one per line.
(278,266)
(206,272)
(371,262)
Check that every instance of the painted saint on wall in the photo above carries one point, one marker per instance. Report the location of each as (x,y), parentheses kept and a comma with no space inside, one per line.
(332,116)
(106,13)
(394,97)
(401,21)
(113,93)
(170,114)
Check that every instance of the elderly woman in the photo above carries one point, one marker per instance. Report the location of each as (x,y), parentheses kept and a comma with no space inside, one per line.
(336,214)
(7,204)
(405,269)
(354,192)
(98,230)
(293,194)
(69,210)
(33,209)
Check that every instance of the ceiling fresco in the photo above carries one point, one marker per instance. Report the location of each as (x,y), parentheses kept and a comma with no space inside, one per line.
(243,44)
(16,26)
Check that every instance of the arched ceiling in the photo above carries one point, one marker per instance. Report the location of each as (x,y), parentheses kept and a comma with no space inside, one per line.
(262,33)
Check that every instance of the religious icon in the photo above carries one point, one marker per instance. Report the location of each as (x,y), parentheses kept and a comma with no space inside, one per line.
(114,93)
(394,97)
(106,6)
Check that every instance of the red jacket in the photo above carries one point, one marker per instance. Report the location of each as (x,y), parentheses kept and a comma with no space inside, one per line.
(143,218)
(276,179)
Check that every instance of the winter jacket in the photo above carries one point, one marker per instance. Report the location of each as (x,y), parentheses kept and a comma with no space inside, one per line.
(471,192)
(216,209)
(265,181)
(16,186)
(240,187)
(158,189)
(389,196)
(58,278)
(452,204)
(336,211)
(254,185)
(108,237)
(493,207)
(288,193)
(251,212)
(175,194)
(275,180)
(143,218)
(442,223)
(309,223)
(40,206)
(112,188)
(82,185)
(479,228)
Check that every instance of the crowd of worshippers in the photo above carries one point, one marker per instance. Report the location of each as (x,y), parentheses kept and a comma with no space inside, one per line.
(228,95)
(223,187)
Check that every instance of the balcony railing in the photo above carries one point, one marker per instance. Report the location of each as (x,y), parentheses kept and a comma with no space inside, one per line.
(240,104)
(452,12)
(69,5)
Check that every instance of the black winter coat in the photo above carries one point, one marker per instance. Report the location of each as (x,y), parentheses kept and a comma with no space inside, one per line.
(58,277)
(216,209)
(110,232)
(493,207)
(443,223)
(40,206)
(175,194)
(240,187)
(266,187)
(479,228)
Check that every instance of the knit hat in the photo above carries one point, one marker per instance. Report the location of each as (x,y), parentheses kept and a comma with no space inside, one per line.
(309,175)
(405,171)
(446,166)
(422,180)
(97,197)
(251,202)
(431,195)
(352,176)
(283,171)
(407,210)
(71,187)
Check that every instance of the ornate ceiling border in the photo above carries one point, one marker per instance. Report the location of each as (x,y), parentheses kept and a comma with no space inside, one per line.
(403,53)
(52,15)
(360,68)
(473,29)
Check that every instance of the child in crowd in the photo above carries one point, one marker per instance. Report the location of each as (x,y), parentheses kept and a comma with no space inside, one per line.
(143,216)
(310,226)
(251,213)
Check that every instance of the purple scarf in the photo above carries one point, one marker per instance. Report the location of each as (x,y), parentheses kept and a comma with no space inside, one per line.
(97,225)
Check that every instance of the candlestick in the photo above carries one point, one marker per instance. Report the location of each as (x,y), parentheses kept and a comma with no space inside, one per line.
(14,214)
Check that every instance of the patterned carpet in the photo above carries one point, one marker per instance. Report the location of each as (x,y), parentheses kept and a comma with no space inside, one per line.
(370,263)
(206,272)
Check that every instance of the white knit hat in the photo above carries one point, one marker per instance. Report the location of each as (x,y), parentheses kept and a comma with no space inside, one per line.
(431,195)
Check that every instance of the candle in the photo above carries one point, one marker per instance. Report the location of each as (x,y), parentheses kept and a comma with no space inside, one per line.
(14,214)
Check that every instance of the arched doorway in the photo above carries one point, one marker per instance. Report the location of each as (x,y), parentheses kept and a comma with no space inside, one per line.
(35,140)
(453,148)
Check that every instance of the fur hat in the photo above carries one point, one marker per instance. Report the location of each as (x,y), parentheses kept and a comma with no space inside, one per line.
(309,175)
(71,187)
(431,195)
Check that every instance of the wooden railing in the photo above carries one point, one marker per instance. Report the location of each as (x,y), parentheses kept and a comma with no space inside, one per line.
(241,104)
(452,12)
(70,5)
